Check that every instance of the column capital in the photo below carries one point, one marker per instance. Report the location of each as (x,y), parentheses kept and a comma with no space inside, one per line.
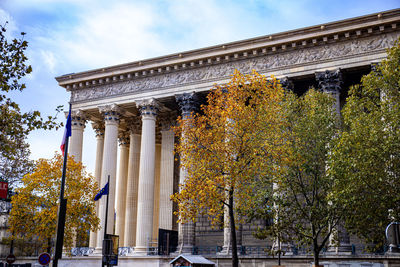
(98,127)
(78,118)
(123,138)
(375,68)
(188,103)
(287,83)
(166,122)
(329,81)
(112,113)
(134,125)
(148,108)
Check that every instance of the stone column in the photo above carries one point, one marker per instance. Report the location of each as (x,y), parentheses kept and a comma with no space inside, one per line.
(109,168)
(122,186)
(375,69)
(132,183)
(148,110)
(188,103)
(156,207)
(330,82)
(227,246)
(287,83)
(166,174)
(99,130)
(78,121)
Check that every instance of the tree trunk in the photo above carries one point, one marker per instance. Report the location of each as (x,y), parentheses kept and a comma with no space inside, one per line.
(316,253)
(235,260)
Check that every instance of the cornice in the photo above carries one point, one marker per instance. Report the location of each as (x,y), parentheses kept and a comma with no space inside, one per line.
(351,50)
(322,34)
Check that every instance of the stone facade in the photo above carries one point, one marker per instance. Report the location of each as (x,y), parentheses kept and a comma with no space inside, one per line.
(142,99)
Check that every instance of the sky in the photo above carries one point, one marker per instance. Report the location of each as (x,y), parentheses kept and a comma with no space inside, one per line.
(69,36)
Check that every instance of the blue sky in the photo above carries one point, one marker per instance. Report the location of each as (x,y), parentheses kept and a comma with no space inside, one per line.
(68,36)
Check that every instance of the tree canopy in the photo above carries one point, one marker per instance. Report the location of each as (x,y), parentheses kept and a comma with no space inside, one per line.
(366,159)
(232,142)
(15,125)
(300,197)
(35,205)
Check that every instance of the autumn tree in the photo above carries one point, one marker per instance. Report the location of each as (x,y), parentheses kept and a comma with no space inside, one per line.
(366,159)
(300,198)
(35,206)
(234,140)
(15,125)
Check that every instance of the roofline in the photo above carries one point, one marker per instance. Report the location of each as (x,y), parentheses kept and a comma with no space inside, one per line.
(273,40)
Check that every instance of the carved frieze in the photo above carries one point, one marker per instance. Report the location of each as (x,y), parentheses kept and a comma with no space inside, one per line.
(224,70)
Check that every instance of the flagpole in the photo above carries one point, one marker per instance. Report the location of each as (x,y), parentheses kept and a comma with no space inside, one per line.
(63,206)
(105,221)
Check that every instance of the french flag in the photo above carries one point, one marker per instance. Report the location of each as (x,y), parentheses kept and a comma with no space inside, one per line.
(67,132)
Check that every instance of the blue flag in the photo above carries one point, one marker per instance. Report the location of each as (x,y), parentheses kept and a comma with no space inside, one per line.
(103,191)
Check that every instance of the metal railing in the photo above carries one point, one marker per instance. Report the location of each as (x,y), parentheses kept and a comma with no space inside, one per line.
(252,251)
(124,251)
(206,250)
(82,251)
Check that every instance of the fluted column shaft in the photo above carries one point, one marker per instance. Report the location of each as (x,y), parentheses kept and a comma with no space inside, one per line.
(99,129)
(122,187)
(77,126)
(186,231)
(166,179)
(132,188)
(109,168)
(156,207)
(146,176)
(330,82)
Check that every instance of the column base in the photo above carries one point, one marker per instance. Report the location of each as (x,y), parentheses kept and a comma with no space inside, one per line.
(184,250)
(343,249)
(139,251)
(286,249)
(98,251)
(228,251)
(393,249)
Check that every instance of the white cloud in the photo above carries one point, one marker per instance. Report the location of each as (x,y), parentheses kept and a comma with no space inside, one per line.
(10,26)
(48,59)
(78,35)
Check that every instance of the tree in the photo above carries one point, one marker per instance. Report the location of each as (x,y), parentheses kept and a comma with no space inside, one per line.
(234,141)
(366,159)
(35,205)
(15,125)
(300,199)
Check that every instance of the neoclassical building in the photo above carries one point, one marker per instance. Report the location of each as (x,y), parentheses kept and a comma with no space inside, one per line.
(133,106)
